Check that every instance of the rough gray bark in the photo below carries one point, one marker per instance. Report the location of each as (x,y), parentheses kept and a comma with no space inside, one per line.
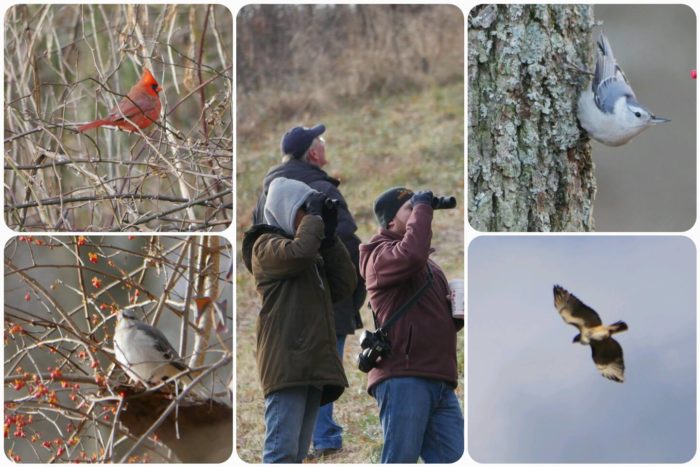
(530,166)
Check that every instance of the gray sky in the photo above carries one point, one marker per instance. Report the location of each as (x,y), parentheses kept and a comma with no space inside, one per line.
(533,396)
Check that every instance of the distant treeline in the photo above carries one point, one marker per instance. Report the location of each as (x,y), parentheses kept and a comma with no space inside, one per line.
(295,59)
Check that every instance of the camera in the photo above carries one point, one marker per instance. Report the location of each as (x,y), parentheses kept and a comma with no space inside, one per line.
(444,202)
(374,345)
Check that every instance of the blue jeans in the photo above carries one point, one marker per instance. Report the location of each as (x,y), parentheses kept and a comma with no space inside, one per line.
(289,420)
(328,434)
(420,417)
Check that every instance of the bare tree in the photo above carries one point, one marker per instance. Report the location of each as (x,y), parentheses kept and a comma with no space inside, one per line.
(66,398)
(530,167)
(68,64)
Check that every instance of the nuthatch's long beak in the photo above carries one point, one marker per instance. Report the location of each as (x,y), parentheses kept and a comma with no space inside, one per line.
(655,119)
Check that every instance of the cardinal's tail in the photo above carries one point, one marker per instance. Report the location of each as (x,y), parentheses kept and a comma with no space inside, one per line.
(94,124)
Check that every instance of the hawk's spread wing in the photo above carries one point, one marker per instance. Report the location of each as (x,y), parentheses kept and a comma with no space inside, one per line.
(607,356)
(574,311)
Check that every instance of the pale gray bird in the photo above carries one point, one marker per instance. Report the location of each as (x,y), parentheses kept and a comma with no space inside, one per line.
(609,110)
(145,353)
(605,351)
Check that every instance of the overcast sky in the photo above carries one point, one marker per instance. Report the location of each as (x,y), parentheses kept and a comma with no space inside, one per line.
(655,45)
(533,396)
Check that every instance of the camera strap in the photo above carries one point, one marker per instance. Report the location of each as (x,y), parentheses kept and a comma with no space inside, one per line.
(408,304)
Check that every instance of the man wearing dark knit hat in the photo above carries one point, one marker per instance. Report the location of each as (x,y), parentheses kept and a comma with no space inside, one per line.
(304,156)
(414,384)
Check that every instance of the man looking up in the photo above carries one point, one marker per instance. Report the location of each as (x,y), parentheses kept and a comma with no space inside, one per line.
(300,269)
(304,156)
(414,384)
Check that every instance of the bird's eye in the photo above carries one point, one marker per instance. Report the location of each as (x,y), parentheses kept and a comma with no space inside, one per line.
(155,88)
(637,114)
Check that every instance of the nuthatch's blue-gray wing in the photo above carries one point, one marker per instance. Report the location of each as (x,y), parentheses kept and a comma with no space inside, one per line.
(609,81)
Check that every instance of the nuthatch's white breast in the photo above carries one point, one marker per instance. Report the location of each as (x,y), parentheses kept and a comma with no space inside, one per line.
(609,110)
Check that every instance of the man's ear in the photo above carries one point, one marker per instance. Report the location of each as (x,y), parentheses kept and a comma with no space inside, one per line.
(312,154)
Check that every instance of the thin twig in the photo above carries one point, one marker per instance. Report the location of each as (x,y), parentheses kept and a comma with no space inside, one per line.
(81,199)
(194,202)
(205,130)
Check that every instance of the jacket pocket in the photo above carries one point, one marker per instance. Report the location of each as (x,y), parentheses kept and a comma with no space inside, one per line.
(294,330)
(409,341)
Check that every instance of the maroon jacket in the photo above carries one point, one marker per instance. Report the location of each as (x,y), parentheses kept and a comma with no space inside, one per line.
(424,340)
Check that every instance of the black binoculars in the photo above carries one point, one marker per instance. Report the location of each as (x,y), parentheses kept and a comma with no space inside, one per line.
(331,203)
(444,202)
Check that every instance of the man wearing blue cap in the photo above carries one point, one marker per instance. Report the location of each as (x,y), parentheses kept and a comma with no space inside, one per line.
(304,155)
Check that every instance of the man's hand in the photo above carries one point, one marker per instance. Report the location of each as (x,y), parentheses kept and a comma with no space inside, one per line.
(422,197)
(314,203)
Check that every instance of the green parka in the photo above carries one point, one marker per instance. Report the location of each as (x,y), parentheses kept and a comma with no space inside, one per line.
(298,284)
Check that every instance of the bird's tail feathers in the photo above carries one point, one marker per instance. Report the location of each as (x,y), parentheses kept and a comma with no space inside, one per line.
(178,372)
(198,390)
(604,46)
(619,326)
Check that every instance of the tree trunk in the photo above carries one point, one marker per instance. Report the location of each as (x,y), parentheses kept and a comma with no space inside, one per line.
(530,166)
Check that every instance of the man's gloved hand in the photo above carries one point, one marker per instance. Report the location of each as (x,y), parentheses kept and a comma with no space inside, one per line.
(422,197)
(314,203)
(330,222)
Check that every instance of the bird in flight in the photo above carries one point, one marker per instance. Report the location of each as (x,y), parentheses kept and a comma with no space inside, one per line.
(606,351)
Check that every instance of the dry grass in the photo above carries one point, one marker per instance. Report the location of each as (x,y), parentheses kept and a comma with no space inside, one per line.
(68,64)
(387,81)
(303,59)
(414,139)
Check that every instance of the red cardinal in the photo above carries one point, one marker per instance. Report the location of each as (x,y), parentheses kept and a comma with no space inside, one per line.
(141,106)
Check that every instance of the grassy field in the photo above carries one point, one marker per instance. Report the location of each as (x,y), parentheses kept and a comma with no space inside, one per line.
(415,139)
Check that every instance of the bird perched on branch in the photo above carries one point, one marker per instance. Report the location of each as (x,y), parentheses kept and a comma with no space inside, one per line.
(606,351)
(138,109)
(609,110)
(145,353)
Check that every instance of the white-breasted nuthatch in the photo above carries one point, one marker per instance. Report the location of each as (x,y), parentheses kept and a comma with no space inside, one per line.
(609,110)
(145,353)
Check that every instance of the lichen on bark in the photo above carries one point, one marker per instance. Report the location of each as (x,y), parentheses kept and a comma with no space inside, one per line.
(529,163)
